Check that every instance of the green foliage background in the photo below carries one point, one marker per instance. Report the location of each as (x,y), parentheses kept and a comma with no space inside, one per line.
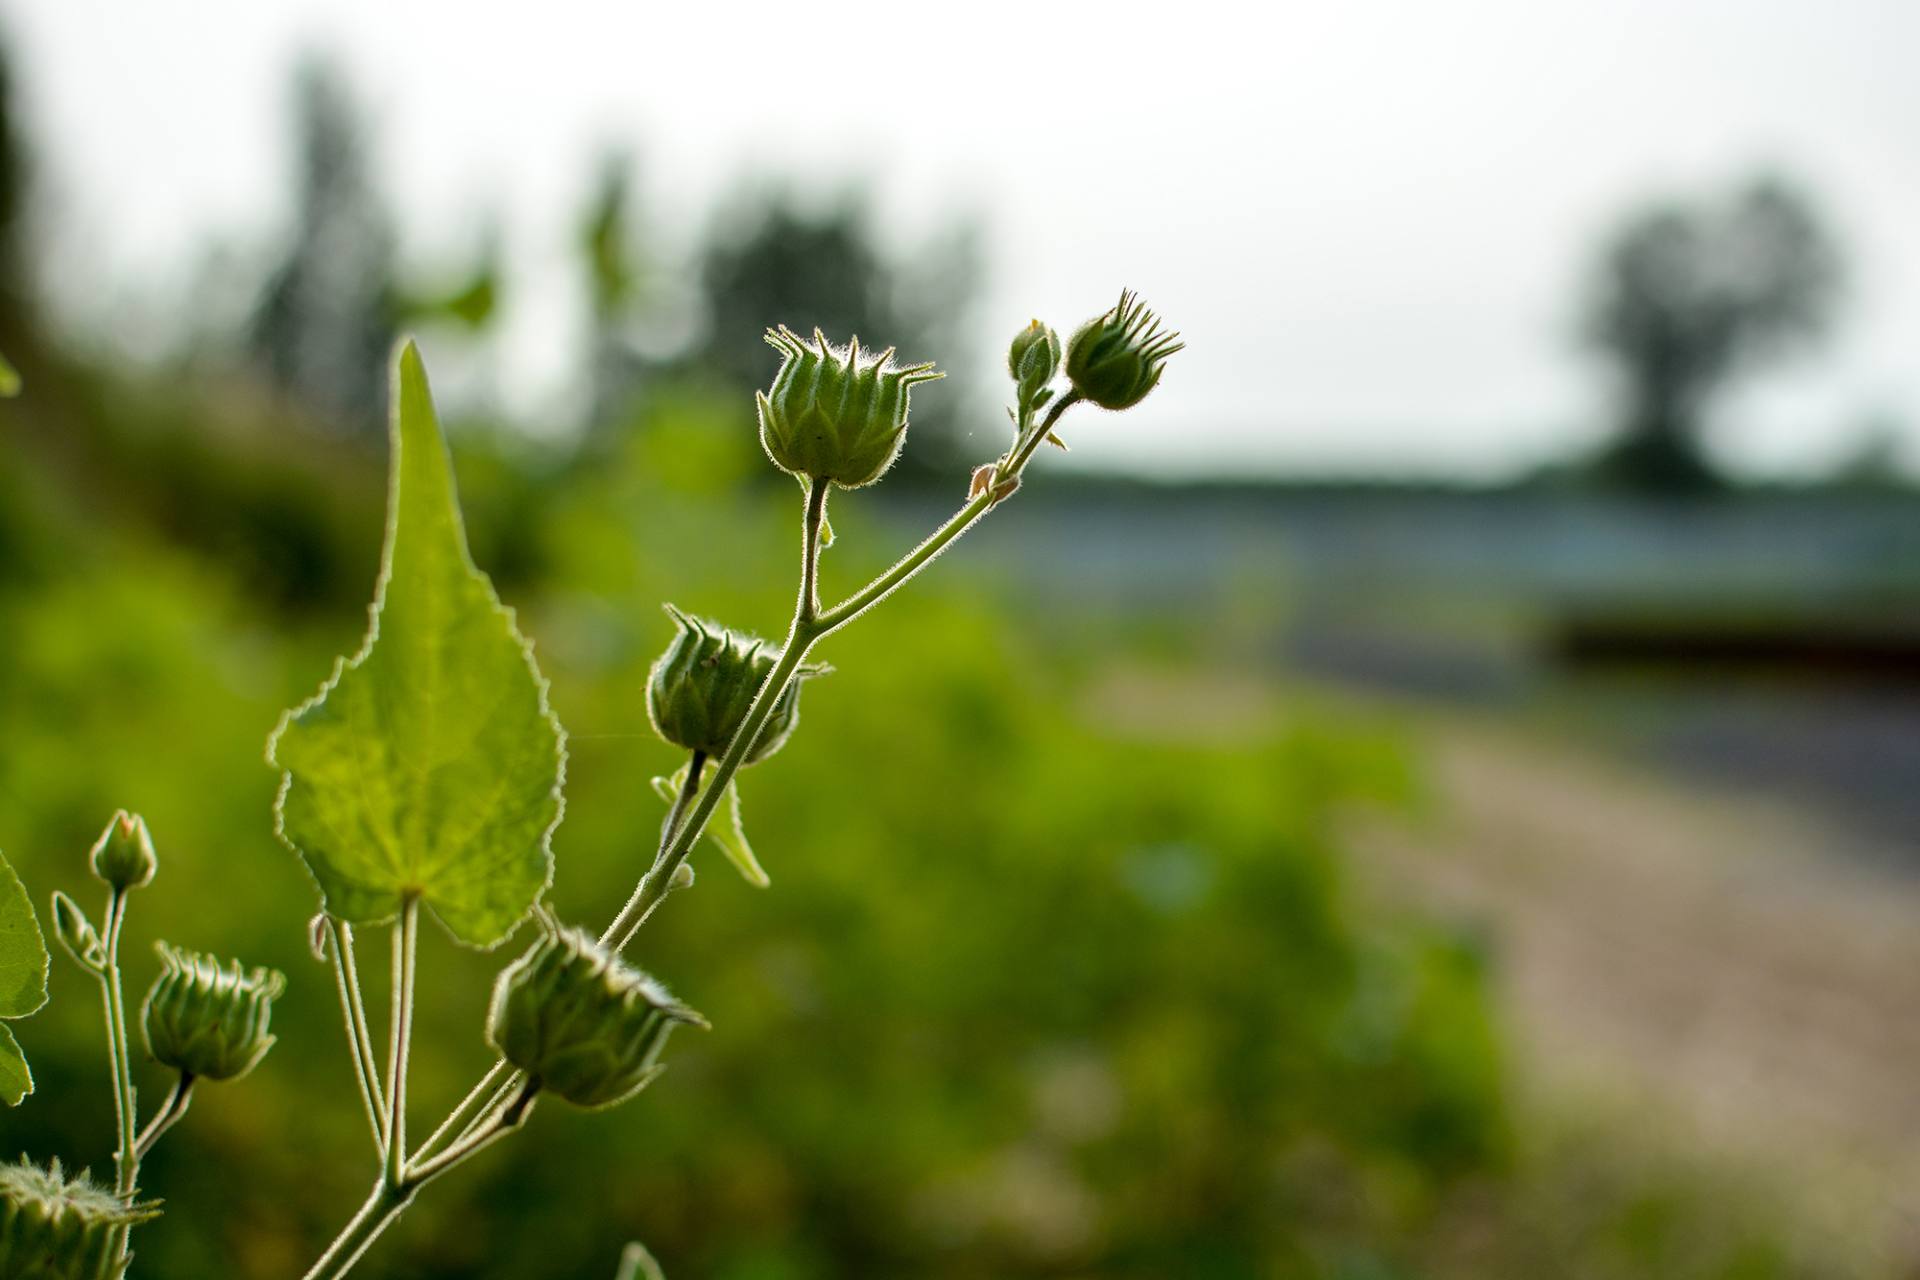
(1040,988)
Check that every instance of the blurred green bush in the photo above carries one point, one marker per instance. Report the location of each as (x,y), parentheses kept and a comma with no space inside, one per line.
(1037,990)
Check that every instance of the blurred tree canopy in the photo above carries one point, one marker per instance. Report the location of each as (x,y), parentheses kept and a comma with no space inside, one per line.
(327,314)
(1687,297)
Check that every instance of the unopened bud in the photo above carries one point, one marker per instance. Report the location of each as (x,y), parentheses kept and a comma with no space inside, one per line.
(701,688)
(832,415)
(208,1019)
(123,855)
(76,933)
(53,1228)
(584,1023)
(1115,359)
(1033,359)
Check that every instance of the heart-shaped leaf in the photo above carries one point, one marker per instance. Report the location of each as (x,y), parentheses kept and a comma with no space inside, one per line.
(429,766)
(23,979)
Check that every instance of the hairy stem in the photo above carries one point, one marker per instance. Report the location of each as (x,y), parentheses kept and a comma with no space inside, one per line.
(375,1216)
(509,1117)
(126,1155)
(508,1090)
(904,569)
(169,1115)
(814,521)
(353,1012)
(406,943)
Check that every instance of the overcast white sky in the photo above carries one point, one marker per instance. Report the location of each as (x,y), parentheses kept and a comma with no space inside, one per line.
(1370,219)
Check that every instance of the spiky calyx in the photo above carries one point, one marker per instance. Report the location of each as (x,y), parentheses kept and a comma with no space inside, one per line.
(207,1019)
(57,1228)
(833,414)
(700,689)
(580,1020)
(1117,357)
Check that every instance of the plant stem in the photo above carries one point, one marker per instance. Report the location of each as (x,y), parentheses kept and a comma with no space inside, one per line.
(353,1012)
(810,549)
(500,1078)
(406,941)
(375,1216)
(125,1157)
(914,561)
(801,635)
(693,807)
(504,1121)
(169,1115)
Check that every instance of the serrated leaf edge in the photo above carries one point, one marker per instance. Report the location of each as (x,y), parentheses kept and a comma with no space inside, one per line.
(407,347)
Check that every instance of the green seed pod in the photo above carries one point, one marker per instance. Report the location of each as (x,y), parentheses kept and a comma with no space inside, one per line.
(55,1229)
(700,689)
(829,415)
(1116,358)
(123,855)
(206,1019)
(77,934)
(582,1021)
(1033,359)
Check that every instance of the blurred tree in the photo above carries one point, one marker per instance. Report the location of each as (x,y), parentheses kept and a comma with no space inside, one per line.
(326,319)
(16,262)
(607,242)
(1688,297)
(773,261)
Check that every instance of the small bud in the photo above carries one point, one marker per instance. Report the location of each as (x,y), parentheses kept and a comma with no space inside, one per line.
(829,415)
(207,1019)
(682,877)
(317,933)
(1033,359)
(700,689)
(55,1229)
(1115,359)
(123,855)
(77,934)
(582,1021)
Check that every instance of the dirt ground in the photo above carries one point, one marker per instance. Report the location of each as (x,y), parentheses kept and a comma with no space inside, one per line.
(1738,973)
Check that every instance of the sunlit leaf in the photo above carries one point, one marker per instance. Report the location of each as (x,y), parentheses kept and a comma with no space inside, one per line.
(724,829)
(16,1078)
(429,765)
(23,979)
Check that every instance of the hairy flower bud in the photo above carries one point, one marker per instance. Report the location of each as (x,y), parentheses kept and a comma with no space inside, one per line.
(123,855)
(700,689)
(584,1023)
(833,416)
(1115,359)
(55,1229)
(77,934)
(207,1019)
(1033,359)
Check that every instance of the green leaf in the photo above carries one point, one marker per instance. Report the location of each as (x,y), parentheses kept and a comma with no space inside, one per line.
(23,979)
(23,951)
(16,1079)
(429,766)
(724,829)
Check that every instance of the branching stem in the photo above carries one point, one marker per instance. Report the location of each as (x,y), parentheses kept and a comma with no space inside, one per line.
(126,1154)
(495,1106)
(169,1115)
(406,943)
(353,1012)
